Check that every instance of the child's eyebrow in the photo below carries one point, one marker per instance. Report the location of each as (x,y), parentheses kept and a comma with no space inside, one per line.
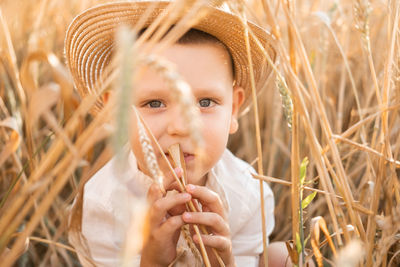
(218,92)
(153,92)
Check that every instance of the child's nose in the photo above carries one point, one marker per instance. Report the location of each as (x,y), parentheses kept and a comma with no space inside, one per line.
(177,124)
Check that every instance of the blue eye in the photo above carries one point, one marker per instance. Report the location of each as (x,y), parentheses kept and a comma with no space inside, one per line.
(205,102)
(155,104)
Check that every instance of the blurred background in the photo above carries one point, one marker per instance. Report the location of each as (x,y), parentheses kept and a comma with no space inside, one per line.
(334,99)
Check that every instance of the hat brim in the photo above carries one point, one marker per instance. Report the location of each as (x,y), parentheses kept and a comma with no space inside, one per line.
(90,37)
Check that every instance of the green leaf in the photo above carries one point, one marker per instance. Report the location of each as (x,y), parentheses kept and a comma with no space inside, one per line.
(298,243)
(306,240)
(303,170)
(308,200)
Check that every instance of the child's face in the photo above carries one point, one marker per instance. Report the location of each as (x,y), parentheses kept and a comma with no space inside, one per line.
(207,69)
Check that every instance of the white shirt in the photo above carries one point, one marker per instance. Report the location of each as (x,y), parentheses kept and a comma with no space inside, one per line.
(108,198)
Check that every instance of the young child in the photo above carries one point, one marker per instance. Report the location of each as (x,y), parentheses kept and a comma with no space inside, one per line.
(212,59)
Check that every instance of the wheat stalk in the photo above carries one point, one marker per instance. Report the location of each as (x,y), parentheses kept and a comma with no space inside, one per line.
(358,85)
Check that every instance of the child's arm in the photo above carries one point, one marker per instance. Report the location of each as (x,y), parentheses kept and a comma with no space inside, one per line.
(278,256)
(164,230)
(215,218)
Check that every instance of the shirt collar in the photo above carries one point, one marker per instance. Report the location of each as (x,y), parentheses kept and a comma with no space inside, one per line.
(214,184)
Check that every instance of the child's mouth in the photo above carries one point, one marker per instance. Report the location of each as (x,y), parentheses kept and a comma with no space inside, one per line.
(187,156)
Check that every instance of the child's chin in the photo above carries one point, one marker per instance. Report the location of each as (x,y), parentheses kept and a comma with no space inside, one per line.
(197,177)
(194,174)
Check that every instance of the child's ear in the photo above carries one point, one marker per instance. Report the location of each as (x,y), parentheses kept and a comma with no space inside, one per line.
(237,102)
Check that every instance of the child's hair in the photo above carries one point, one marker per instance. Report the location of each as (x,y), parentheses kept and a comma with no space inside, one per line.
(195,36)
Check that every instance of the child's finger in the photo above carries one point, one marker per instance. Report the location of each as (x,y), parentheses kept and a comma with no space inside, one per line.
(207,198)
(173,186)
(170,226)
(211,219)
(160,207)
(177,210)
(220,243)
(154,193)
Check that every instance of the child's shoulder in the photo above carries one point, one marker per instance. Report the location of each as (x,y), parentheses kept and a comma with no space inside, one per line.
(237,172)
(242,192)
(111,182)
(101,185)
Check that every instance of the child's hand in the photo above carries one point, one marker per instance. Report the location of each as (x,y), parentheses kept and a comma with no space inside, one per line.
(164,229)
(215,218)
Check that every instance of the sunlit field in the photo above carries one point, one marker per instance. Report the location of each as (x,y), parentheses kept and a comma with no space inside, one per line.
(325,134)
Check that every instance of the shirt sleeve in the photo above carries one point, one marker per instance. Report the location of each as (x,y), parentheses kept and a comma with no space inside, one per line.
(242,261)
(248,242)
(98,225)
(107,211)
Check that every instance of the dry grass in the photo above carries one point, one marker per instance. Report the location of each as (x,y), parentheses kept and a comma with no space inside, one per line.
(338,77)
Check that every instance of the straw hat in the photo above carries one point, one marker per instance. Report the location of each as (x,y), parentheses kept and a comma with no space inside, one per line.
(89,41)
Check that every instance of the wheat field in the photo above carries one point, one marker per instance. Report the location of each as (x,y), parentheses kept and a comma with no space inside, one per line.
(328,143)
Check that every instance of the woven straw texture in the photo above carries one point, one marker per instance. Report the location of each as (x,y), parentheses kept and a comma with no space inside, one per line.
(89,42)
